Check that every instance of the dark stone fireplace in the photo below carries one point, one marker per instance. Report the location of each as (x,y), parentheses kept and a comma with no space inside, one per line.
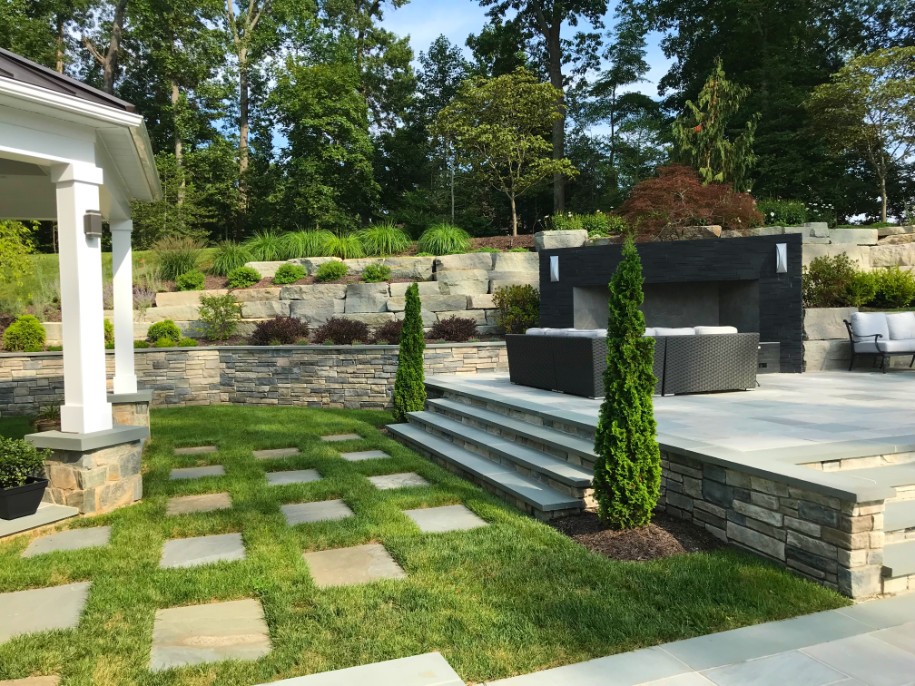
(710,282)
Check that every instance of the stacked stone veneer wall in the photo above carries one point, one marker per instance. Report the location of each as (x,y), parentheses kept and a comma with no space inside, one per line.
(453,285)
(836,542)
(318,376)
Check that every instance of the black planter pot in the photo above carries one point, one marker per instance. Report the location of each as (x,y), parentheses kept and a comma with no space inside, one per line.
(22,501)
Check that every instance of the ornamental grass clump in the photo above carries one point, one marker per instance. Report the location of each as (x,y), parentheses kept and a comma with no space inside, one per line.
(410,382)
(266,246)
(228,256)
(311,243)
(384,239)
(627,472)
(444,239)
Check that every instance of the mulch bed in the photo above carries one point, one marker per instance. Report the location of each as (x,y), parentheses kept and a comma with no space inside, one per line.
(665,536)
(503,242)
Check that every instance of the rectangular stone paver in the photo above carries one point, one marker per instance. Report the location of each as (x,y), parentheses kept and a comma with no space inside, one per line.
(298,476)
(46,514)
(202,550)
(33,681)
(361,455)
(275,453)
(74,539)
(430,669)
(42,609)
(783,668)
(197,472)
(336,438)
(447,518)
(386,482)
(196,450)
(206,502)
(349,566)
(195,634)
(327,510)
(868,659)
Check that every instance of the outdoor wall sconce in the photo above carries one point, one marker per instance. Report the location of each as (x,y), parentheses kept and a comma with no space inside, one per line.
(92,224)
(554,268)
(781,258)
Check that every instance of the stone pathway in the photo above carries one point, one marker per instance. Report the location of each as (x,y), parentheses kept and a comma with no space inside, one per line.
(447,518)
(73,539)
(33,681)
(202,550)
(196,450)
(298,476)
(386,482)
(189,504)
(361,455)
(430,669)
(337,438)
(323,511)
(182,473)
(46,514)
(42,609)
(869,644)
(191,635)
(275,453)
(349,566)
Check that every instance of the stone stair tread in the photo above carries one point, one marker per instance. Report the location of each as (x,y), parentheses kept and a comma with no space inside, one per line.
(899,559)
(531,491)
(552,437)
(578,419)
(889,476)
(547,465)
(899,515)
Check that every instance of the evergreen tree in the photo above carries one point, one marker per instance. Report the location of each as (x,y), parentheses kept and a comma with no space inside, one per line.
(409,385)
(627,473)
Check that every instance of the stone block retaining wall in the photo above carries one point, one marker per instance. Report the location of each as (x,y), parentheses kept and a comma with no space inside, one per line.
(452,285)
(360,376)
(835,542)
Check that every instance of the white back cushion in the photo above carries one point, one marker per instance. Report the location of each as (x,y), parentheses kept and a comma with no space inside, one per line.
(865,324)
(701,330)
(538,332)
(901,325)
(685,331)
(649,331)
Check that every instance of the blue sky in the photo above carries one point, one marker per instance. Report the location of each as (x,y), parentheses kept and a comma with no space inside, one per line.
(425,20)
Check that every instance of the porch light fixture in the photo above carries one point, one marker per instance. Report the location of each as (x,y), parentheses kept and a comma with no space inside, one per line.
(554,268)
(781,258)
(92,224)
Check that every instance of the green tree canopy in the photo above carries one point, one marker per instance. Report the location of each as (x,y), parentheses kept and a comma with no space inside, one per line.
(869,106)
(498,128)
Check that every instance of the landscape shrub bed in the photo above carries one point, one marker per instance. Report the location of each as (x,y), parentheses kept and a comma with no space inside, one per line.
(837,282)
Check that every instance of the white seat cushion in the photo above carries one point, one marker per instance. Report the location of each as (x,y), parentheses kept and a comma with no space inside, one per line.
(538,332)
(702,330)
(587,333)
(904,345)
(901,325)
(865,324)
(684,331)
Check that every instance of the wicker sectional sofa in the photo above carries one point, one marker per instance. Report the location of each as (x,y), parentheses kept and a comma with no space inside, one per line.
(573,361)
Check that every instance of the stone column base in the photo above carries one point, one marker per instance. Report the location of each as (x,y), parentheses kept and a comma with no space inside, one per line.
(130,409)
(94,472)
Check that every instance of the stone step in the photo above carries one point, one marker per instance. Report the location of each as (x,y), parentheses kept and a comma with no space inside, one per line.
(567,421)
(572,448)
(899,515)
(528,494)
(900,476)
(554,471)
(430,669)
(899,560)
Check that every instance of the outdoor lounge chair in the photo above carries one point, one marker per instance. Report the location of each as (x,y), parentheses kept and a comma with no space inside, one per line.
(881,335)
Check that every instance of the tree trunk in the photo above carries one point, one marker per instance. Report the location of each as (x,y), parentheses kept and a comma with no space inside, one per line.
(179,143)
(883,198)
(114,47)
(244,125)
(60,52)
(554,48)
(511,197)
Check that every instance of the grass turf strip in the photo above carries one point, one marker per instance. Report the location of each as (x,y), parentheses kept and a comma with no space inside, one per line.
(506,599)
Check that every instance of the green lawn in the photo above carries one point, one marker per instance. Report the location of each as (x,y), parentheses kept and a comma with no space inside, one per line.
(510,598)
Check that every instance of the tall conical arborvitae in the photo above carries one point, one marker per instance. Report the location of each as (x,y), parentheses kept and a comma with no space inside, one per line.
(409,385)
(627,473)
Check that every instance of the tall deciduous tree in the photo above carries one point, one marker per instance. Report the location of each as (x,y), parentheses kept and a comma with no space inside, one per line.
(627,472)
(498,128)
(869,106)
(548,18)
(107,54)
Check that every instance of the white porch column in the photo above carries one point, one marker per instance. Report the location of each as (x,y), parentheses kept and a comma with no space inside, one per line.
(86,408)
(125,378)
